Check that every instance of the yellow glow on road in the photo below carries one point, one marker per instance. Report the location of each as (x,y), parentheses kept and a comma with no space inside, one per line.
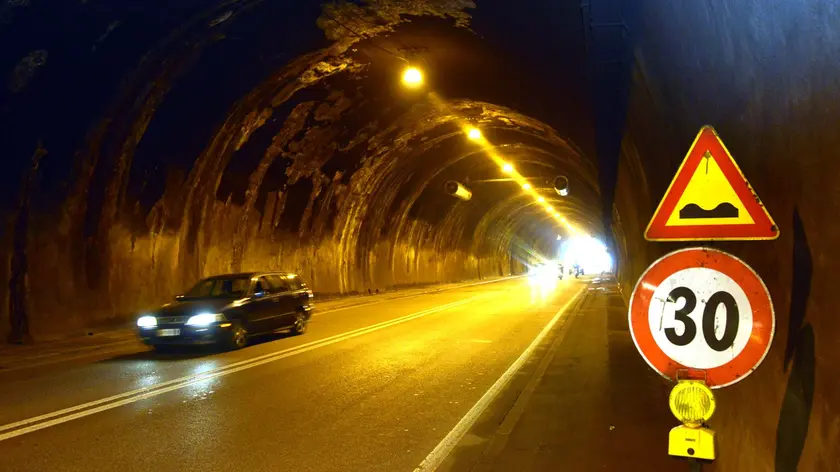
(544,280)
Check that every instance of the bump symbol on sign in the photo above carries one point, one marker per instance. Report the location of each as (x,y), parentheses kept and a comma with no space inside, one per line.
(709,196)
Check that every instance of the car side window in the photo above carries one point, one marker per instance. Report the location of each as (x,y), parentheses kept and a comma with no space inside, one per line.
(295,284)
(279,284)
(263,285)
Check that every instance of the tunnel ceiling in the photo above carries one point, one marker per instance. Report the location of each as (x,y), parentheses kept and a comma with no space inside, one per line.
(296,115)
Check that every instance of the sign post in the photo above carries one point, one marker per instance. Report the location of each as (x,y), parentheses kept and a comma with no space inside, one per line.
(699,316)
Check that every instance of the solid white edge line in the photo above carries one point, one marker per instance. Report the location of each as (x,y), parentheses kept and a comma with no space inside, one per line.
(160,391)
(404,297)
(174,384)
(109,348)
(442,450)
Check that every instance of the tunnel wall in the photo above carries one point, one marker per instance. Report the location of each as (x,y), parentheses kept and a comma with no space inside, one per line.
(142,270)
(212,149)
(766,77)
(317,166)
(101,256)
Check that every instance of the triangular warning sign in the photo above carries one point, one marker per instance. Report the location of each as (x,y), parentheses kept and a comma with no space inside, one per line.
(710,199)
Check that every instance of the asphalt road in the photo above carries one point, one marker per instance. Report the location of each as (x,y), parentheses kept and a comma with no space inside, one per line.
(370,388)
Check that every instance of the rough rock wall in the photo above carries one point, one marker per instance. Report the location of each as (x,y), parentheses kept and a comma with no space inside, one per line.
(765,75)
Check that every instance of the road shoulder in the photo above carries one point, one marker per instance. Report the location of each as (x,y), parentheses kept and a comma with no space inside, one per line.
(586,401)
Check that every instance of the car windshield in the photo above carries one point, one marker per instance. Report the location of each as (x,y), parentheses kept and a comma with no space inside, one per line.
(223,287)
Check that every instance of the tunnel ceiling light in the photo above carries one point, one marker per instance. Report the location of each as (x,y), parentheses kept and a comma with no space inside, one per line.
(412,77)
(541,199)
(526,186)
(474,134)
(507,168)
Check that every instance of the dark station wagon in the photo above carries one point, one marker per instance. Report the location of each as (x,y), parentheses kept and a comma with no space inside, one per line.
(227,309)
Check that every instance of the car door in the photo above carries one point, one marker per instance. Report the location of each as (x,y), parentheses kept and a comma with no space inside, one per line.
(261,311)
(284,301)
(301,292)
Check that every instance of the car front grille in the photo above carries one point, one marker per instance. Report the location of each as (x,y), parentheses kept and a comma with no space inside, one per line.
(171,320)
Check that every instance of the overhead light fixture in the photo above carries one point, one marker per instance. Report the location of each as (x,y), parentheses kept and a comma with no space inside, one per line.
(412,77)
(474,134)
(507,168)
(526,186)
(458,190)
(541,199)
(561,185)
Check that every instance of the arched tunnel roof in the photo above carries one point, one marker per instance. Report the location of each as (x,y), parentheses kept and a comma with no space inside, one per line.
(302,130)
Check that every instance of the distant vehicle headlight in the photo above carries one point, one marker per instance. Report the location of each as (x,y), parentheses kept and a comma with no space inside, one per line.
(205,319)
(147,321)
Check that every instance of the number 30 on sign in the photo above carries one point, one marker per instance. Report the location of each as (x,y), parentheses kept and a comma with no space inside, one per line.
(702,309)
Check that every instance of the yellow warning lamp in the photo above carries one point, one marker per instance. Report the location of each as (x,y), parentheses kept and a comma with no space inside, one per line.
(693,403)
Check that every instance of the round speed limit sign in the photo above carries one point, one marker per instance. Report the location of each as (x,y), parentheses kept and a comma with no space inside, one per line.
(702,309)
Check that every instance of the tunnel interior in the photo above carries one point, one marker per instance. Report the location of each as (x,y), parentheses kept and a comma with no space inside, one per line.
(148,146)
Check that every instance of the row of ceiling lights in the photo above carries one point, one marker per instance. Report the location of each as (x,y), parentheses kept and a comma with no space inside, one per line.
(413,78)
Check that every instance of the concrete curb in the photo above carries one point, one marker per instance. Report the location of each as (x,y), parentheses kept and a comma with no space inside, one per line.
(500,437)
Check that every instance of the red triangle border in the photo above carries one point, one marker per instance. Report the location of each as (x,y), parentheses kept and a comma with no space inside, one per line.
(762,228)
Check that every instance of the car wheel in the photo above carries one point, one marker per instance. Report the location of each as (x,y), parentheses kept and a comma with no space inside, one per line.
(301,322)
(238,337)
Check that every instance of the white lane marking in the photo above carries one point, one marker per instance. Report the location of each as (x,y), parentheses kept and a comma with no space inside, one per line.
(114,401)
(430,292)
(111,348)
(442,450)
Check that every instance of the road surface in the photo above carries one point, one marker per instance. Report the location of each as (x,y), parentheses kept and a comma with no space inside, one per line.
(368,388)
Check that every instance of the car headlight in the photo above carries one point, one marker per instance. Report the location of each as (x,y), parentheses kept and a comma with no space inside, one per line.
(204,319)
(147,321)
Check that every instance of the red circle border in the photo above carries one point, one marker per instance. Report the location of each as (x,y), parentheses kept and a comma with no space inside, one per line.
(764,318)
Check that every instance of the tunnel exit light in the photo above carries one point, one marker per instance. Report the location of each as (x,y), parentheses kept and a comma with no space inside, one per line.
(587,252)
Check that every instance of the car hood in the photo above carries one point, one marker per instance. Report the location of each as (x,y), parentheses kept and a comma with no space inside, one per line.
(195,306)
